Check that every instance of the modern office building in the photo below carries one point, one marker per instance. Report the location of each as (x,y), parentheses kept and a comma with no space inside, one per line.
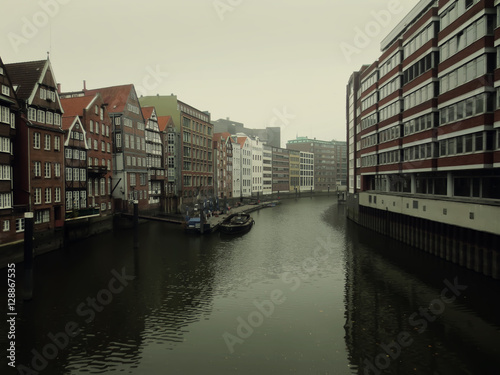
(294,157)
(267,170)
(423,130)
(329,170)
(281,170)
(306,171)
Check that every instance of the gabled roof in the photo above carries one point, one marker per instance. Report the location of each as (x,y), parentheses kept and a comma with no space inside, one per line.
(115,97)
(241,141)
(75,106)
(163,121)
(147,112)
(226,136)
(68,122)
(25,75)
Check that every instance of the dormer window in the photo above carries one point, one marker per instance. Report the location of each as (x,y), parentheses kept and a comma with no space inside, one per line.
(5,90)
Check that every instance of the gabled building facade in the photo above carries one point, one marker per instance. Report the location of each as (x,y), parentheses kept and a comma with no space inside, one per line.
(129,180)
(39,180)
(171,141)
(75,169)
(223,165)
(195,146)
(95,120)
(154,158)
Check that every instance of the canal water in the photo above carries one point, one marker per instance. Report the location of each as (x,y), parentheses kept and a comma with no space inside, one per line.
(304,292)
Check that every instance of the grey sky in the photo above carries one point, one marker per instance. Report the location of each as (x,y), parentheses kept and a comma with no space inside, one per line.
(276,62)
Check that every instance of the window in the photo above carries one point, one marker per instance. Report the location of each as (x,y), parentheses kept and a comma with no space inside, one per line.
(6,225)
(69,174)
(57,143)
(20,225)
(103,146)
(43,93)
(32,114)
(38,168)
(57,119)
(47,170)
(46,145)
(6,90)
(49,118)
(118,137)
(103,186)
(57,194)
(38,195)
(36,140)
(40,116)
(91,126)
(48,195)
(96,128)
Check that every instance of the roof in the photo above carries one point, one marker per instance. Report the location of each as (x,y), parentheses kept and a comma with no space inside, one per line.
(163,122)
(67,121)
(115,97)
(147,112)
(224,135)
(75,106)
(25,75)
(241,141)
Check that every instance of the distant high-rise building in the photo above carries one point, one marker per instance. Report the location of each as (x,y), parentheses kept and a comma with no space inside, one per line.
(330,164)
(270,135)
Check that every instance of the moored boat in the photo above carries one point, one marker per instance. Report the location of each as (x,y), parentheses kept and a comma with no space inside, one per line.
(237,223)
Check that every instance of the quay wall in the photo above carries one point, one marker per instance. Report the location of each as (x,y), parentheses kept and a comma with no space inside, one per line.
(464,233)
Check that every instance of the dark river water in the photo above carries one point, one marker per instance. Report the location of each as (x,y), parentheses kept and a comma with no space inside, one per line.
(304,292)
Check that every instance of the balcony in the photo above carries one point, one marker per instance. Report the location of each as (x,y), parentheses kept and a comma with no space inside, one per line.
(97,170)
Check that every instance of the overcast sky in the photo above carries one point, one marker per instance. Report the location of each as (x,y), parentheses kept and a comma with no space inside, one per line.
(261,62)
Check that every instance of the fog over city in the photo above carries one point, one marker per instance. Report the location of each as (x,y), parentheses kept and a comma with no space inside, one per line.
(280,63)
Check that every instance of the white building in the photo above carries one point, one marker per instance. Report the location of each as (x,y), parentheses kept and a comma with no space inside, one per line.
(237,181)
(267,170)
(256,166)
(246,164)
(306,171)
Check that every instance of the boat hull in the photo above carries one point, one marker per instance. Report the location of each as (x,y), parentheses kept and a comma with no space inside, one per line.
(236,224)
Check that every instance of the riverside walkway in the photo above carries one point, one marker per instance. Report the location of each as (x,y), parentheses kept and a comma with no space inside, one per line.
(215,220)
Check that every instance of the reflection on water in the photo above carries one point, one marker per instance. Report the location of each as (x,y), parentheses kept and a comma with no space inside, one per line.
(303,292)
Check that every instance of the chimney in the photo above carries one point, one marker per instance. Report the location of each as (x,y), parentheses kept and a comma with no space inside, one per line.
(59,88)
(227,118)
(84,86)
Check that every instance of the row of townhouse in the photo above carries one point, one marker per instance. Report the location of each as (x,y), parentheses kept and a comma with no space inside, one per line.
(423,121)
(70,156)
